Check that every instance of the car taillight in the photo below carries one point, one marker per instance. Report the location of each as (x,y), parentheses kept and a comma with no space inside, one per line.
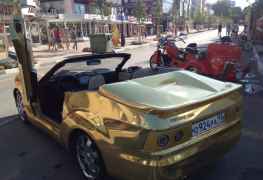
(157,141)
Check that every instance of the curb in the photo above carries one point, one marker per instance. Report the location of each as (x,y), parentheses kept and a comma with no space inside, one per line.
(133,47)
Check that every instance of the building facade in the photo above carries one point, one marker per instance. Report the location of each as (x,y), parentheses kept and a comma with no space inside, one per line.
(30,9)
(85,16)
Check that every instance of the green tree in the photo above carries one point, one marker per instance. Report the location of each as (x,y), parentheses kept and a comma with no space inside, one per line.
(140,15)
(236,13)
(198,17)
(158,16)
(103,7)
(222,8)
(140,11)
(175,13)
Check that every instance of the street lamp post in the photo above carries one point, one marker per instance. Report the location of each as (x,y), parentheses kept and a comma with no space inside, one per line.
(122,24)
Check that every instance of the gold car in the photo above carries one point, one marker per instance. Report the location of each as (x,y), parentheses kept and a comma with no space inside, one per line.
(132,123)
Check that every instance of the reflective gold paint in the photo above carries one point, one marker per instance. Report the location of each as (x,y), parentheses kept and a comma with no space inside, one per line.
(127,136)
(126,131)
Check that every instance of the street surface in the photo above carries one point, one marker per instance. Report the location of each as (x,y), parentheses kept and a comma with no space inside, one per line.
(28,154)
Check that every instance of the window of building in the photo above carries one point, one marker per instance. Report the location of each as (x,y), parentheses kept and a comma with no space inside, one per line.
(79,8)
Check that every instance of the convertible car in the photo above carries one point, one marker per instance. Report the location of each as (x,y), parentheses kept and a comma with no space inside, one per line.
(132,123)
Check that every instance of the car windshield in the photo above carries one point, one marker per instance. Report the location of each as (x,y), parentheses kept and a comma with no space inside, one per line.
(101,64)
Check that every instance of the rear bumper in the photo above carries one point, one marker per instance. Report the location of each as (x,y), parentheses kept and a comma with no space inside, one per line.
(181,162)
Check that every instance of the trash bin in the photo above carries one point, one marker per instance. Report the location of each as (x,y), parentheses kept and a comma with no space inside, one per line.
(101,43)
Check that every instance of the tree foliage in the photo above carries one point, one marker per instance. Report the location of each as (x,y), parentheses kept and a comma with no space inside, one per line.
(104,7)
(140,11)
(158,15)
(199,18)
(175,10)
(158,11)
(222,8)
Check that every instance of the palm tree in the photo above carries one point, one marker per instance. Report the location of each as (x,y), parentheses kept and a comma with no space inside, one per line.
(140,15)
(158,15)
(175,13)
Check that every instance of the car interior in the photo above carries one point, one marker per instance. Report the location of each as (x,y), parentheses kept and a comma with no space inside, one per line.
(51,91)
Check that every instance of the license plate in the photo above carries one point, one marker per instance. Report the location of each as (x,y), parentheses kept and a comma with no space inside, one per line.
(207,124)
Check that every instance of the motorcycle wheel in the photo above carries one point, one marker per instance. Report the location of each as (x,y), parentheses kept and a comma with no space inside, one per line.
(154,62)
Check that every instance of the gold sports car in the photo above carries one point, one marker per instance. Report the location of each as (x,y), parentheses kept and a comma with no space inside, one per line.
(132,123)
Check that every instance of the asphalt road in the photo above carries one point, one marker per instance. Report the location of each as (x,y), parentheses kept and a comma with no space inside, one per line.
(28,154)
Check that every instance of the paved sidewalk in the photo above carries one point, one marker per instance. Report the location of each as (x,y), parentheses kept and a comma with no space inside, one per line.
(42,55)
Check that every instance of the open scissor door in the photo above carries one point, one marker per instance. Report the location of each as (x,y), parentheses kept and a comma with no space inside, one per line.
(24,53)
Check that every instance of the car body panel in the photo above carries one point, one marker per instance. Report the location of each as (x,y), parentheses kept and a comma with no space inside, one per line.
(23,52)
(168,91)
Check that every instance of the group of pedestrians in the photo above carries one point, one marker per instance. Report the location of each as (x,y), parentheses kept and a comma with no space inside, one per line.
(60,38)
(231,29)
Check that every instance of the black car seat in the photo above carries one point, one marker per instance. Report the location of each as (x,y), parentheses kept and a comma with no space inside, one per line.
(191,48)
(95,82)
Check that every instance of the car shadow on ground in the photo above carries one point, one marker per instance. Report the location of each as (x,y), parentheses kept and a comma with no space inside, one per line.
(28,153)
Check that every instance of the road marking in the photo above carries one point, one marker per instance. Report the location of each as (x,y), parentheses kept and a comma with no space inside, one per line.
(5,122)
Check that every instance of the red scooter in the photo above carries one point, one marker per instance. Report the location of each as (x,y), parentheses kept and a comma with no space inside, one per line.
(220,60)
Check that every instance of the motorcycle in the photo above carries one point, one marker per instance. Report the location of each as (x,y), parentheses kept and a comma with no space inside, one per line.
(220,60)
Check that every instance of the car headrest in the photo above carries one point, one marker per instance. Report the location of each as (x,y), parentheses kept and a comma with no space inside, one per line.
(96,81)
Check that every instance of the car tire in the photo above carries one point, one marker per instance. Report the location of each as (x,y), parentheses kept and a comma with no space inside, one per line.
(88,158)
(20,107)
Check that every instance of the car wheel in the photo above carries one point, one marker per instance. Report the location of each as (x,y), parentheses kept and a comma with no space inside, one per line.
(88,158)
(20,106)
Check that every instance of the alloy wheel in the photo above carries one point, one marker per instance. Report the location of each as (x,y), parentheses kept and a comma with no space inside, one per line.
(20,107)
(88,158)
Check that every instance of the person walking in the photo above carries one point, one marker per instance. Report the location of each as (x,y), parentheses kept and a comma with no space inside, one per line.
(74,39)
(49,38)
(54,41)
(235,30)
(220,30)
(67,38)
(61,37)
(228,29)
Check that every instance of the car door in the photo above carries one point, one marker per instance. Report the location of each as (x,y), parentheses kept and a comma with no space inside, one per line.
(28,74)
(24,54)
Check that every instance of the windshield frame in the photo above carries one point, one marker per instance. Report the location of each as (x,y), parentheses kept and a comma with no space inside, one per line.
(84,58)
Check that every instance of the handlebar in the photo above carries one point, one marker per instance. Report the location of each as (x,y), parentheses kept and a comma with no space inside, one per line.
(164,40)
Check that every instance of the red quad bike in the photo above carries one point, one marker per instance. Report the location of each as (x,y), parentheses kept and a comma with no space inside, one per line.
(221,60)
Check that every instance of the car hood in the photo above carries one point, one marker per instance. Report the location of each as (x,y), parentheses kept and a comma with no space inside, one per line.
(167,91)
